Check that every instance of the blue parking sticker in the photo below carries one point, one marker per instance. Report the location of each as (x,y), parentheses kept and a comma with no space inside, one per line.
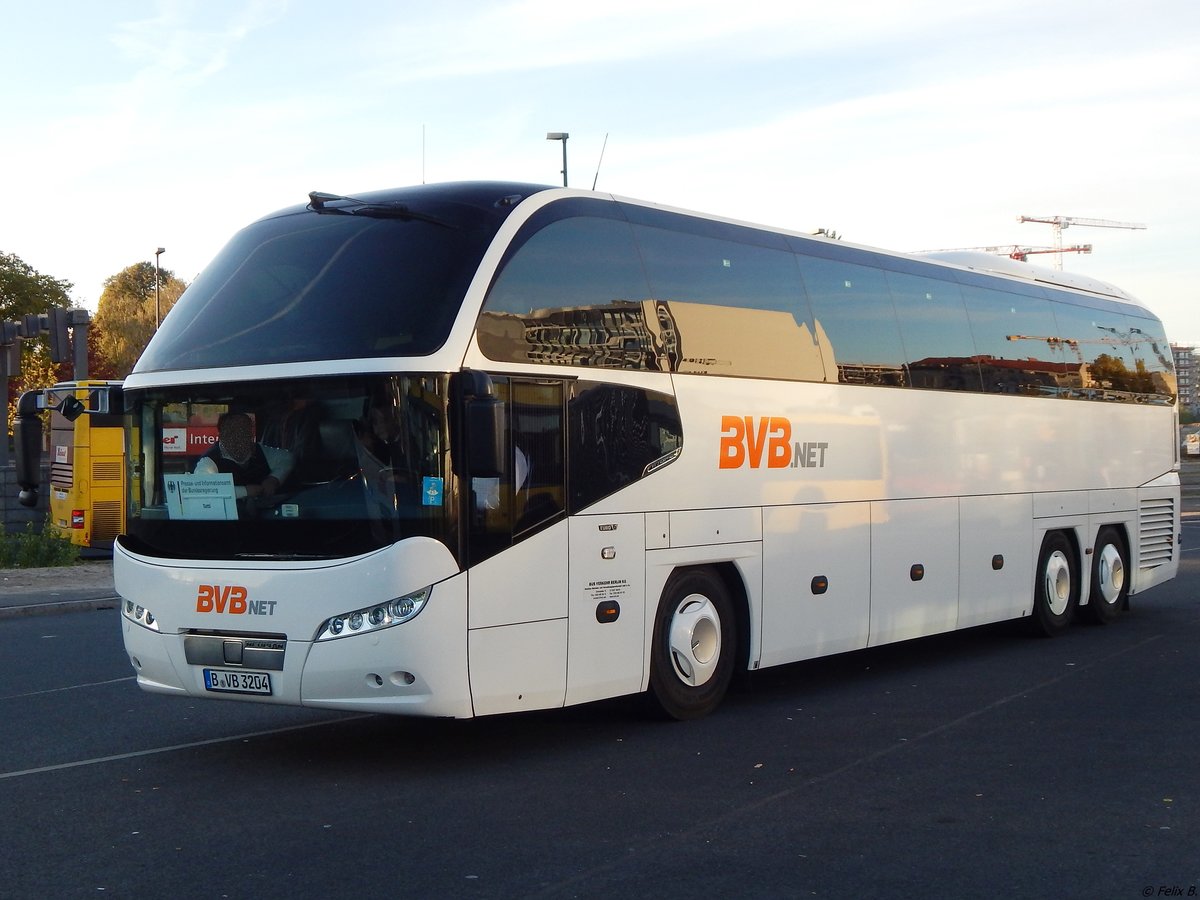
(431,491)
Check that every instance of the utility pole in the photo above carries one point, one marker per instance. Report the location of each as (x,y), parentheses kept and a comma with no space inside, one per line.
(560,136)
(157,315)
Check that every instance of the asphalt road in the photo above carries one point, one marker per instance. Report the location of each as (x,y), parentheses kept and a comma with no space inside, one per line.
(978,764)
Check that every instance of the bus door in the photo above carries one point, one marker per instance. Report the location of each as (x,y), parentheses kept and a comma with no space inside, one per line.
(517,552)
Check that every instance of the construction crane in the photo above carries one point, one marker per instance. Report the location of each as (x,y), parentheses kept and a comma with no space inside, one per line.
(1061,222)
(1022,254)
(1054,343)
(1015,251)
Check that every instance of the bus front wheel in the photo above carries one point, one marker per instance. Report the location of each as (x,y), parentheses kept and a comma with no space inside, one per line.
(692,659)
(1110,584)
(1056,588)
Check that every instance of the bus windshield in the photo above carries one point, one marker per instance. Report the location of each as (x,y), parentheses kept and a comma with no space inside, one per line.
(309,286)
(294,469)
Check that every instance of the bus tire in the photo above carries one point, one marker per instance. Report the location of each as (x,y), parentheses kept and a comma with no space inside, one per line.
(1110,577)
(695,641)
(1056,586)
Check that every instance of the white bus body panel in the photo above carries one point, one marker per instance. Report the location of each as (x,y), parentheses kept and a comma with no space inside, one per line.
(995,526)
(607,569)
(525,583)
(914,568)
(802,543)
(293,601)
(517,645)
(518,667)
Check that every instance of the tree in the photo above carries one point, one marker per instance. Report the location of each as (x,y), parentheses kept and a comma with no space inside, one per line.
(124,321)
(25,291)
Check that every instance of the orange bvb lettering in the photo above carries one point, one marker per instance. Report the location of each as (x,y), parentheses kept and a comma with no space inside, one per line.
(743,439)
(733,436)
(218,598)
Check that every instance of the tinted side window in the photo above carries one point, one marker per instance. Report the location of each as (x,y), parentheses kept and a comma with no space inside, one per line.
(1019,345)
(936,334)
(573,294)
(531,493)
(617,435)
(1099,341)
(1118,356)
(728,307)
(1153,353)
(853,309)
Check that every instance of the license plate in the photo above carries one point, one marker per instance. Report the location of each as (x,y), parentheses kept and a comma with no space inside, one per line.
(237,682)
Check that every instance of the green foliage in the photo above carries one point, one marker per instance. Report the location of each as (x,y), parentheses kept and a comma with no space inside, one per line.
(125,316)
(30,549)
(25,291)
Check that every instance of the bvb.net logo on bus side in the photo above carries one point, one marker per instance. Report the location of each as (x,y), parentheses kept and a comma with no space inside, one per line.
(747,439)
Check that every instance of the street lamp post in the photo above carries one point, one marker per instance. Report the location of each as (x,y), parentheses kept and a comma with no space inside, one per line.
(157,315)
(560,136)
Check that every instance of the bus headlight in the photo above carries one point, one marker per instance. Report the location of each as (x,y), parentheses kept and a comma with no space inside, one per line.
(135,613)
(373,618)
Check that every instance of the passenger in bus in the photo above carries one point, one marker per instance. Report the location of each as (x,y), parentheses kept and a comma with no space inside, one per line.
(379,444)
(258,470)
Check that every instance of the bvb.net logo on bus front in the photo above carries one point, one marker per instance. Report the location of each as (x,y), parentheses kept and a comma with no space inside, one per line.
(751,440)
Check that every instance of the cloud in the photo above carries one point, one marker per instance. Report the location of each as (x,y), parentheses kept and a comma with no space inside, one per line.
(174,46)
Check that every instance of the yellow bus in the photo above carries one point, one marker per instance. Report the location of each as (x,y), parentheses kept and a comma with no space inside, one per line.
(87,469)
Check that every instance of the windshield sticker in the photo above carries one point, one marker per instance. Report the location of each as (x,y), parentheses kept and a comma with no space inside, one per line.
(431,491)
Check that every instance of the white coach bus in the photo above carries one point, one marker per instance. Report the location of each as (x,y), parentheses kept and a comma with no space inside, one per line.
(527,447)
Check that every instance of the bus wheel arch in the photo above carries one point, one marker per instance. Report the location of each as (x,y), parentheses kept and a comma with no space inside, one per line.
(1056,584)
(697,641)
(1109,592)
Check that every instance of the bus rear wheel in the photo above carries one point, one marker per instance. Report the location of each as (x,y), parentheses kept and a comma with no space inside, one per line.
(1110,577)
(1056,587)
(692,657)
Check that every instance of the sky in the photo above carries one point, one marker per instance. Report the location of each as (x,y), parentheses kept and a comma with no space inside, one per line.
(927,124)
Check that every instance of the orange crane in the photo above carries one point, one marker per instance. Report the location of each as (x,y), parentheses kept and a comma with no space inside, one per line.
(1023,253)
(1061,222)
(1016,251)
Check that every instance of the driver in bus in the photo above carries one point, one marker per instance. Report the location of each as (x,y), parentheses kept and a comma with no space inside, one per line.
(258,470)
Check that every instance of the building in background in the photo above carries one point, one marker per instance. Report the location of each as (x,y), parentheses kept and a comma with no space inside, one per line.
(1185,371)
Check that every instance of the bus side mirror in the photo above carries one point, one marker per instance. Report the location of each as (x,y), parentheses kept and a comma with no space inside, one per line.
(483,422)
(107,401)
(71,409)
(485,437)
(27,441)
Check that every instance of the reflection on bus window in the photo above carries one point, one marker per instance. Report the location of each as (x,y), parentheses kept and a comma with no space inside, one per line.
(368,455)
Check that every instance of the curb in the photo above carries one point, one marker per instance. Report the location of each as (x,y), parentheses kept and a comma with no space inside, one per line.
(58,606)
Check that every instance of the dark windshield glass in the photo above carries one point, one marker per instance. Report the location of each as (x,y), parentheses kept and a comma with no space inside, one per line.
(306,468)
(311,286)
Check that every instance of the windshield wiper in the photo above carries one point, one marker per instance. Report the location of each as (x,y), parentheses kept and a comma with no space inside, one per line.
(317,203)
